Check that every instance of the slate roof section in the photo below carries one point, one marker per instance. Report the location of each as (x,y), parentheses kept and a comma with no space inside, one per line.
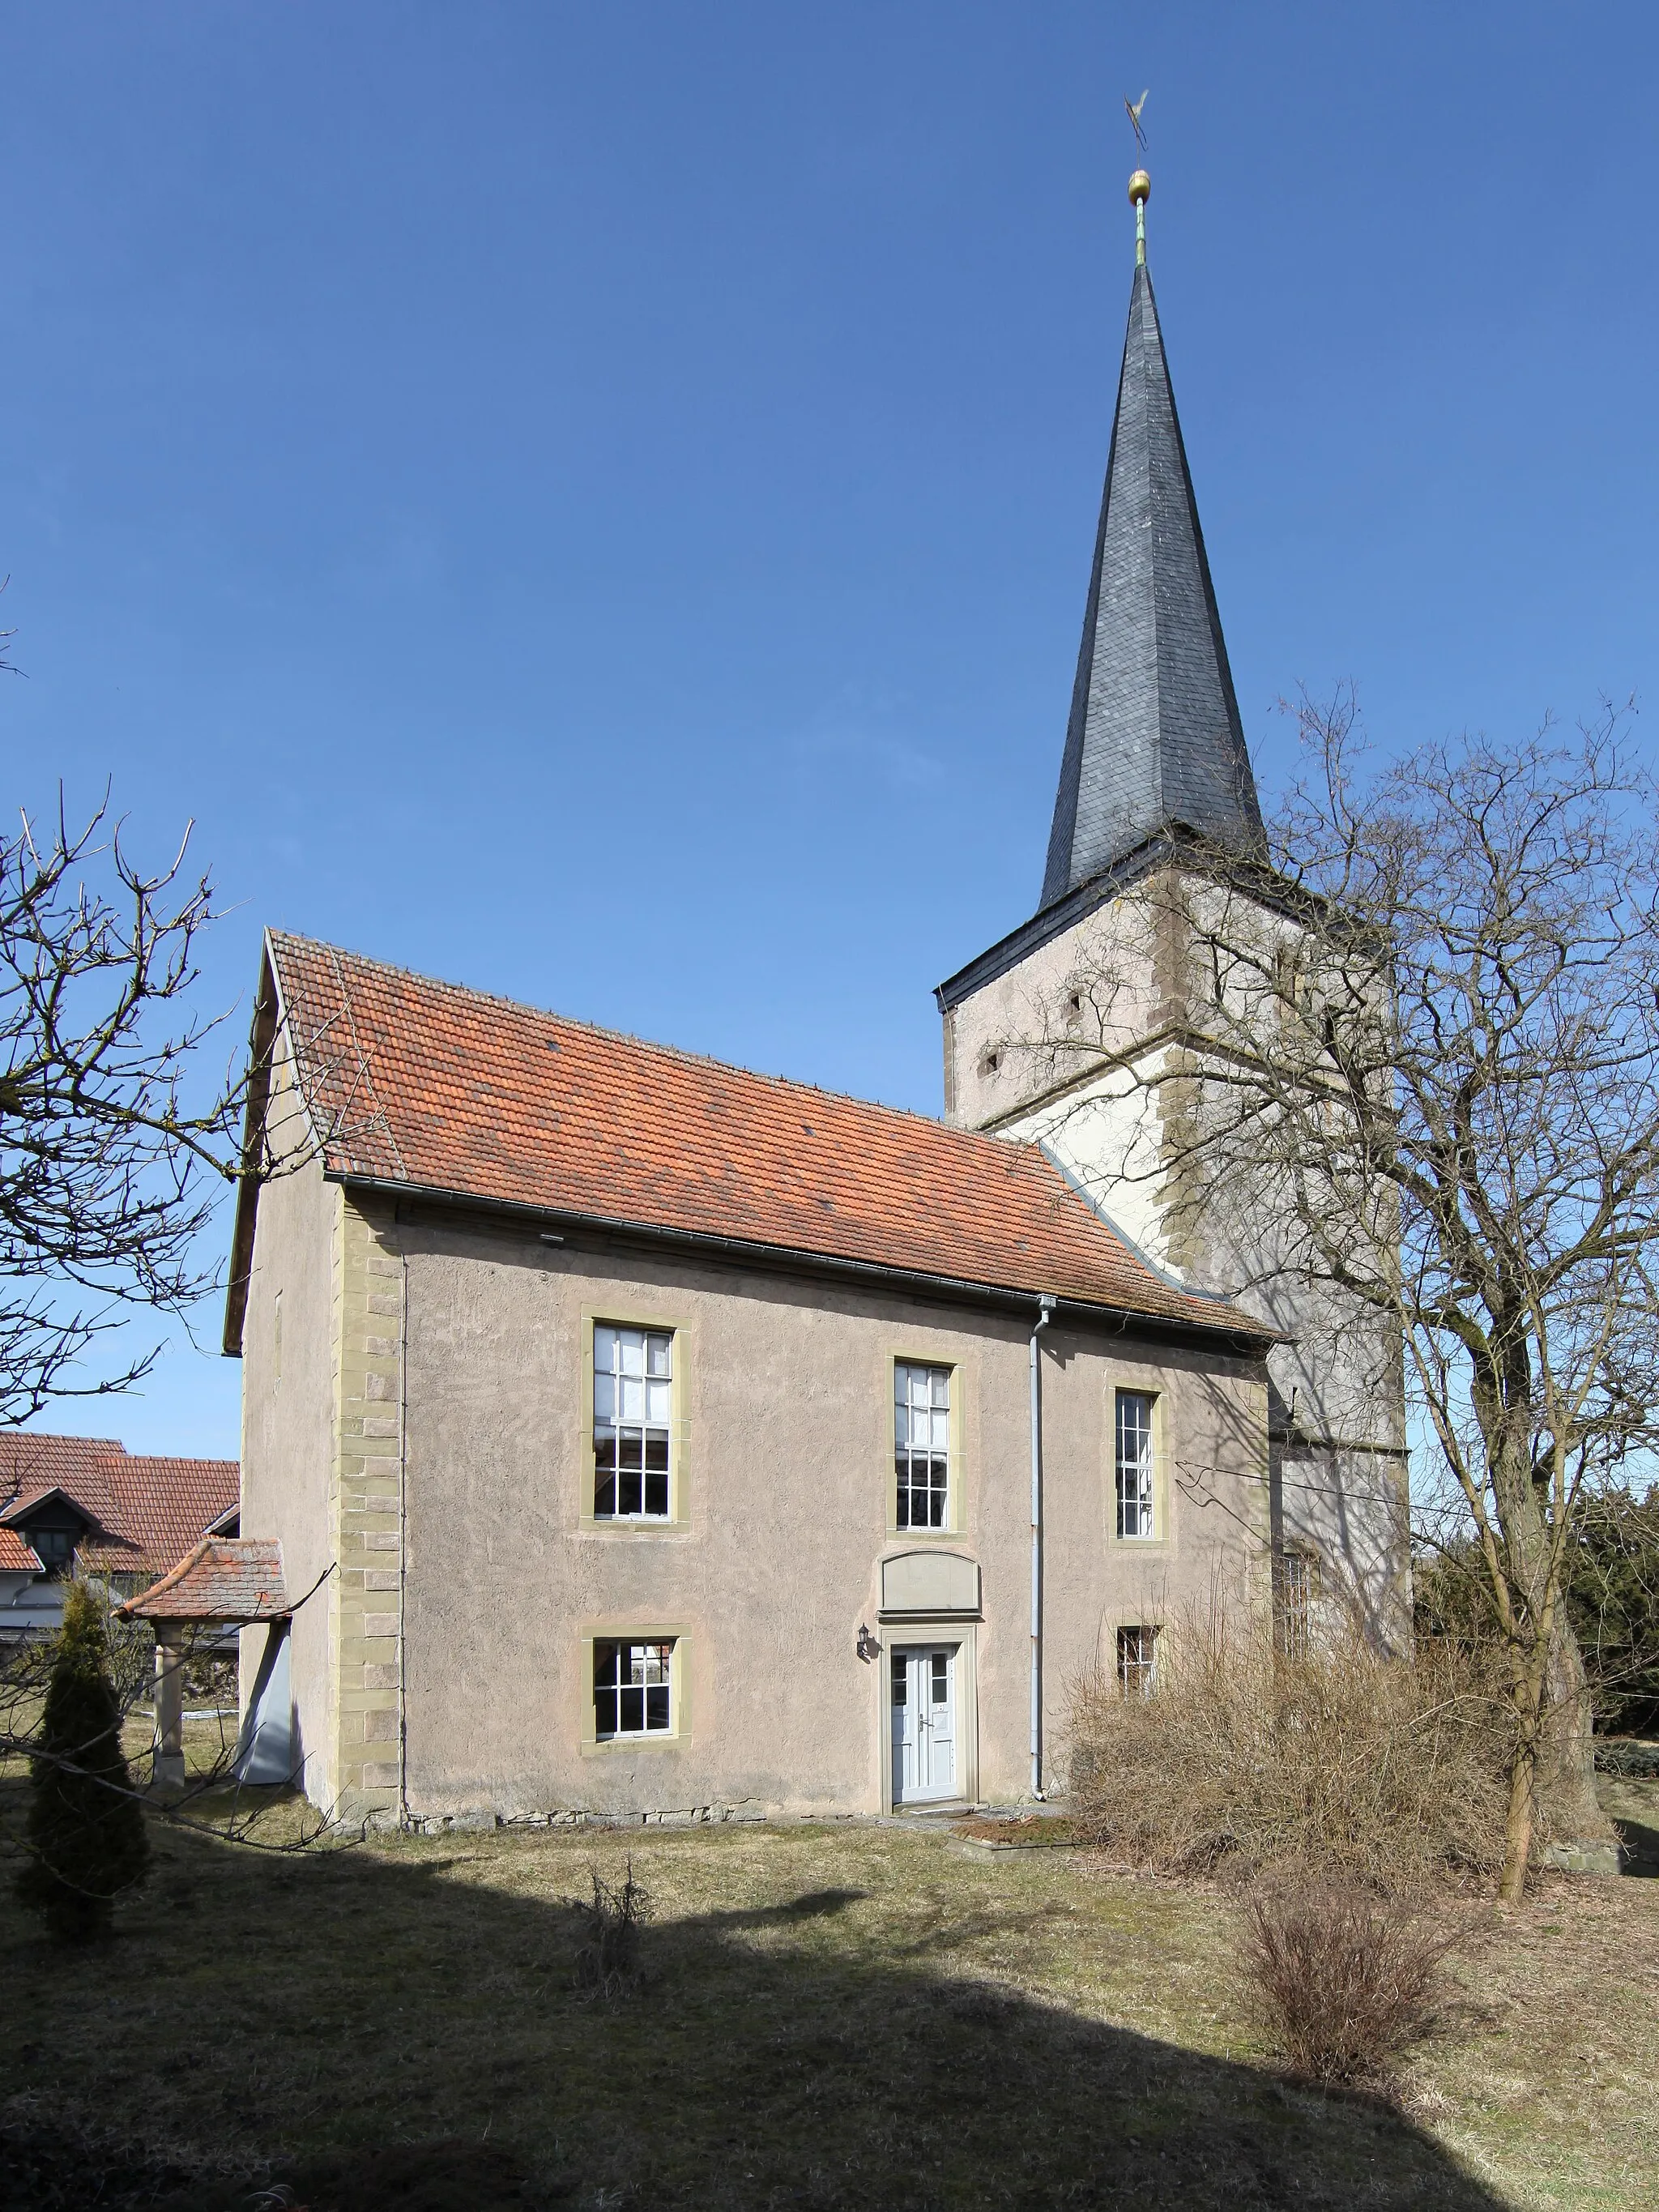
(433,1087)
(223,1578)
(1154,738)
(146,1512)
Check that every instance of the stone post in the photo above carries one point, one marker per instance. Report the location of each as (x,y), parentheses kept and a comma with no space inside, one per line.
(169,1760)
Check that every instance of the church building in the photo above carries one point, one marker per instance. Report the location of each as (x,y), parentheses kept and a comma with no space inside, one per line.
(648,1439)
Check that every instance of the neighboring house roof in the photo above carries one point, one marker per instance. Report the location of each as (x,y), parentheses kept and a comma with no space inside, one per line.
(15,1556)
(432,1087)
(223,1578)
(142,1512)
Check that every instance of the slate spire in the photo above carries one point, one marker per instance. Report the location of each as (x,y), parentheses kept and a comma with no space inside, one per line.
(1155,738)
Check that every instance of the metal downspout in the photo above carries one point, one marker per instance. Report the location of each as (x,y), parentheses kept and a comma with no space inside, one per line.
(1045,1311)
(402,1529)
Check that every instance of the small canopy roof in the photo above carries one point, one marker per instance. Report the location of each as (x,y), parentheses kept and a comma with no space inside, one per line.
(224,1578)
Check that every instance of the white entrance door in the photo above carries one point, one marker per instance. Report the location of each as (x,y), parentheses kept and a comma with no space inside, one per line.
(924,1689)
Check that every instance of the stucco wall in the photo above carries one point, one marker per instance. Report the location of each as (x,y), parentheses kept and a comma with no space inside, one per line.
(288,1437)
(788,1442)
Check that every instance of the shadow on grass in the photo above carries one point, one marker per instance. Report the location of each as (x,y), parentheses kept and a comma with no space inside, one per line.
(1638,1847)
(353,2031)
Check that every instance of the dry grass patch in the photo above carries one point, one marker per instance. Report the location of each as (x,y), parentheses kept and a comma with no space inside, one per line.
(828,2017)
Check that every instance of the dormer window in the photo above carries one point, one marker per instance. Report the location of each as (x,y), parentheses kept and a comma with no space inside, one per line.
(55,1549)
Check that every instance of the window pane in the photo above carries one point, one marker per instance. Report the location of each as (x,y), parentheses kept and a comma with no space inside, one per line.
(900,1676)
(631,1422)
(1137,1651)
(921,1440)
(632,1689)
(1135,1463)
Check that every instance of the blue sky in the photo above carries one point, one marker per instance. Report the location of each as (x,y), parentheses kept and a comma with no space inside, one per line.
(596,503)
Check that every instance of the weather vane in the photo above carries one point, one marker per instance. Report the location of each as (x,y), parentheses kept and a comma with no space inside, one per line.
(1140,185)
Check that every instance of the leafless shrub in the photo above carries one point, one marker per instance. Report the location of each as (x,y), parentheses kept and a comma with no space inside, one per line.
(1242,1758)
(1345,1978)
(608,1952)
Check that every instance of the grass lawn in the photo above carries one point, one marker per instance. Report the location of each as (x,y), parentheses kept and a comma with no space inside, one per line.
(833,2015)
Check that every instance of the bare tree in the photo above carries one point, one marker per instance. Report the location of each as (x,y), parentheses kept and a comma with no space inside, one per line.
(109,1169)
(1417,1063)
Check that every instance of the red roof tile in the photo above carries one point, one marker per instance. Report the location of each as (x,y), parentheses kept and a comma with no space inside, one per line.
(15,1556)
(224,1578)
(164,1506)
(429,1084)
(146,1512)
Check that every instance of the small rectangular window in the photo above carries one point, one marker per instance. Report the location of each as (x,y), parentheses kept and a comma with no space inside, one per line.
(1137,1661)
(922,1444)
(1134,1462)
(1295,1592)
(632,1689)
(633,1385)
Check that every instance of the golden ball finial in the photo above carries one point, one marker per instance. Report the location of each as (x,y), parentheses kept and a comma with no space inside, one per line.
(1140,188)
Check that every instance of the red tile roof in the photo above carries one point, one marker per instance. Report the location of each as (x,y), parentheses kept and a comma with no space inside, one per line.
(15,1556)
(428,1085)
(145,1512)
(224,1578)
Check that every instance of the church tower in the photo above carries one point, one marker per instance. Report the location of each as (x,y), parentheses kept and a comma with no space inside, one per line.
(1069,1031)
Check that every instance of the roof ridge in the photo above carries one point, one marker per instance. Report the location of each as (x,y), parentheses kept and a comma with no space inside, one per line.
(648,1044)
(116,1447)
(126,1459)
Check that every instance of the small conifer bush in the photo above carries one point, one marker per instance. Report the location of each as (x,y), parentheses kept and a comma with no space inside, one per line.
(86,1839)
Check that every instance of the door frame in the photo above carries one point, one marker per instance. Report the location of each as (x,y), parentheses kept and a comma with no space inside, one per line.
(928,1634)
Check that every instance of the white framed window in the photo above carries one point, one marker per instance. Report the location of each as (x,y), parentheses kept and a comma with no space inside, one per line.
(1135,1468)
(1137,1661)
(633,1393)
(1296,1593)
(633,1689)
(922,1444)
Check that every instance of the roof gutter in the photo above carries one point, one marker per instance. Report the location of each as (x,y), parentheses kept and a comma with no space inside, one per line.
(1252,1338)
